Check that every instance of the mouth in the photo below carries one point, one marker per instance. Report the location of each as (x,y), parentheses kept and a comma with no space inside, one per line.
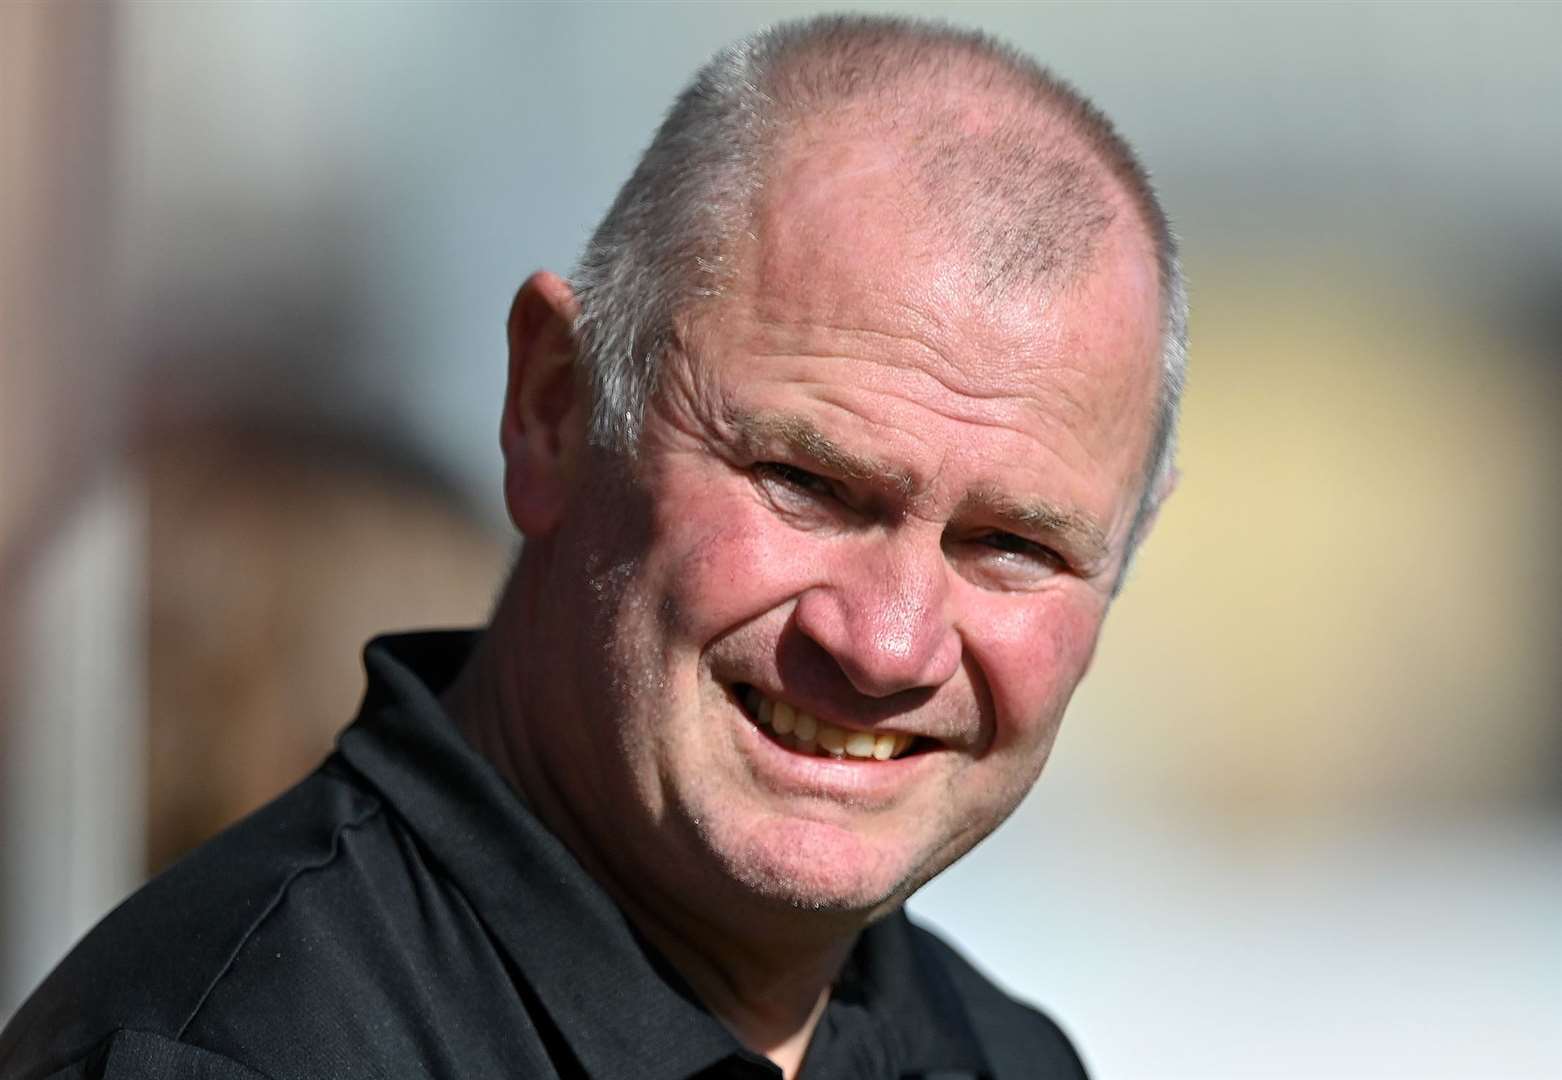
(803,733)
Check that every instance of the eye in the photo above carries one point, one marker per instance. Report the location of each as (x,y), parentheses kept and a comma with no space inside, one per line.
(1008,554)
(799,481)
(1015,545)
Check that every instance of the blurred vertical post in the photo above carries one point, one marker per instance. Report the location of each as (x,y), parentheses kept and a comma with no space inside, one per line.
(71,563)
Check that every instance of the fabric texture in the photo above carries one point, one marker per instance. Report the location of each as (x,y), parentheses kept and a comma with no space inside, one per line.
(400,913)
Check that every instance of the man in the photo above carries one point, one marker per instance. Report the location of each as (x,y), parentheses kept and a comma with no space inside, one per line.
(829,464)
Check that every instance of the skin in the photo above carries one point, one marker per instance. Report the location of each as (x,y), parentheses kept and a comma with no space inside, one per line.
(862,489)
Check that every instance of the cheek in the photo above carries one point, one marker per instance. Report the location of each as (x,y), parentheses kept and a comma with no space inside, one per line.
(1034,652)
(726,563)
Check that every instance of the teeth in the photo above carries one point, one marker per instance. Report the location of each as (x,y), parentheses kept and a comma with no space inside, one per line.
(783,718)
(859,744)
(810,735)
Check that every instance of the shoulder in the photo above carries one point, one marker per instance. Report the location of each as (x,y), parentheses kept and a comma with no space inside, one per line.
(131,989)
(1017,1039)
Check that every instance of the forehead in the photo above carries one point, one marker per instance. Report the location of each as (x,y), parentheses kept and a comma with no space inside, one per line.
(846,227)
(838,255)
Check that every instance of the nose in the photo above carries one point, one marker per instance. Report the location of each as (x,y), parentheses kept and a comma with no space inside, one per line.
(884,616)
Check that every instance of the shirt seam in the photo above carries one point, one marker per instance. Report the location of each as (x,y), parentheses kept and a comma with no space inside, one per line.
(101,1046)
(276,901)
(180,1040)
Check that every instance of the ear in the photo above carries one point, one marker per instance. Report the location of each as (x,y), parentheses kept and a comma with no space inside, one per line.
(1164,486)
(543,427)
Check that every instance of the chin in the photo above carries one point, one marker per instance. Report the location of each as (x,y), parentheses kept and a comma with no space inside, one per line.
(811,866)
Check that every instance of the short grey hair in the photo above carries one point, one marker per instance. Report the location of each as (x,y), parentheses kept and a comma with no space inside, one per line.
(668,242)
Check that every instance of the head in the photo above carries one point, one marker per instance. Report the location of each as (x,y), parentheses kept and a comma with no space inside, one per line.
(828,467)
(667,242)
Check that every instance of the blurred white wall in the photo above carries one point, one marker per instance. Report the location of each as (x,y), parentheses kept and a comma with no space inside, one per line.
(72,704)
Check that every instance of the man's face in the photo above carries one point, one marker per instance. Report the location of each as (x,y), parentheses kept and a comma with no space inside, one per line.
(868,495)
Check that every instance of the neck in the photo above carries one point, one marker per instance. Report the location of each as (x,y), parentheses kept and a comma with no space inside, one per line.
(765,974)
(769,991)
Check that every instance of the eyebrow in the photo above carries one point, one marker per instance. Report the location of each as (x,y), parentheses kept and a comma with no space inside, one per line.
(1084,538)
(800,436)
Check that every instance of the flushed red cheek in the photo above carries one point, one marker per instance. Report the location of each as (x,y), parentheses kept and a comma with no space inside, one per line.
(1033,658)
(728,566)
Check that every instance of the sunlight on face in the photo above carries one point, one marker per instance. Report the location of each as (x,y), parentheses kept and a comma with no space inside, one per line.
(873,505)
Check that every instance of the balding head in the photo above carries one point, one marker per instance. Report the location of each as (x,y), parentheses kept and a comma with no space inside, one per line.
(994,153)
(1005,166)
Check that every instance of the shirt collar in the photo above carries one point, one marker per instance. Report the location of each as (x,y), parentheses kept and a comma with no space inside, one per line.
(895,974)
(618,1005)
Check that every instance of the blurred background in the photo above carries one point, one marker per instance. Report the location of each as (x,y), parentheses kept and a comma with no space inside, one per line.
(1305,819)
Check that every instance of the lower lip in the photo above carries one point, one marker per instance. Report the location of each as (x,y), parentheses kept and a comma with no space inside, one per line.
(862,781)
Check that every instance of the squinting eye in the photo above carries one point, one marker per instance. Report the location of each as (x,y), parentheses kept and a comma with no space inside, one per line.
(798,479)
(1010,544)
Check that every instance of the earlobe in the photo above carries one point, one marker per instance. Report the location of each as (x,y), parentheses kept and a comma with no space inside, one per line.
(1165,484)
(543,425)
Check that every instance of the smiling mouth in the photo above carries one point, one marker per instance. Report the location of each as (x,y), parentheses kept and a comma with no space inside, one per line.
(804,733)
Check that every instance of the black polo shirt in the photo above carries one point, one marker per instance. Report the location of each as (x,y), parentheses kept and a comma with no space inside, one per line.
(401,913)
